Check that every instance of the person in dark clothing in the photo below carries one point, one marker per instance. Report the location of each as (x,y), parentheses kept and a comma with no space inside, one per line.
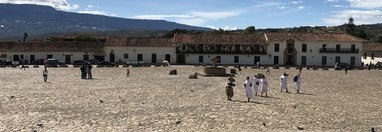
(83,73)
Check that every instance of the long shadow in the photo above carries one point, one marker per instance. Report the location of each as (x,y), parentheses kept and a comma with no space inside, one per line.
(268,97)
(305,94)
(253,102)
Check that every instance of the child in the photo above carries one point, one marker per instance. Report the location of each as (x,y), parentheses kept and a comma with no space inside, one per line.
(45,74)
(229,88)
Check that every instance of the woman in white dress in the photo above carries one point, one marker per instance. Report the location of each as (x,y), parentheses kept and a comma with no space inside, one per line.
(264,87)
(248,89)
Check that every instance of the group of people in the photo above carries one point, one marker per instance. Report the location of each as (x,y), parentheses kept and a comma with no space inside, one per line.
(86,72)
(258,85)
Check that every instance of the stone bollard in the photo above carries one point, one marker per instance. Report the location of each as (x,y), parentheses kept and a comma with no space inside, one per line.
(173,72)
(193,76)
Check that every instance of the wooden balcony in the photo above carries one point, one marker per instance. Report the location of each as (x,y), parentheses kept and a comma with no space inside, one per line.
(342,50)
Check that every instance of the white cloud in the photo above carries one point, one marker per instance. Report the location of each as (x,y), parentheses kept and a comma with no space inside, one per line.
(97,13)
(58,4)
(196,18)
(296,2)
(369,4)
(332,1)
(90,6)
(301,7)
(340,6)
(281,7)
(360,17)
(227,28)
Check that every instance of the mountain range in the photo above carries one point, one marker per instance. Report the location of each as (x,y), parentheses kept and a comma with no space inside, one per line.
(15,20)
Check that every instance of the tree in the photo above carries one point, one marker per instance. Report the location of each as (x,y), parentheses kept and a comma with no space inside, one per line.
(176,31)
(350,26)
(249,30)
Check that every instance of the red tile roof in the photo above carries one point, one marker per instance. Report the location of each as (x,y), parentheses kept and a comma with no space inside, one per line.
(376,47)
(50,46)
(220,39)
(140,42)
(339,37)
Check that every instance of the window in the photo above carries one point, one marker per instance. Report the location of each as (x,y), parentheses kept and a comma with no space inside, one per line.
(352,60)
(338,47)
(372,56)
(140,57)
(323,61)
(3,56)
(290,48)
(277,47)
(352,47)
(219,59)
(276,60)
(303,60)
(126,56)
(338,59)
(236,59)
(324,47)
(364,55)
(304,48)
(49,56)
(201,59)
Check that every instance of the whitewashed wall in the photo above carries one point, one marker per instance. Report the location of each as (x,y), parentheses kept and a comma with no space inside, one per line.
(227,59)
(43,55)
(146,51)
(313,55)
(377,57)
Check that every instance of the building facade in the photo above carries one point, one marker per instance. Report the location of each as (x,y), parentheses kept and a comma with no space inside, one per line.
(306,49)
(372,53)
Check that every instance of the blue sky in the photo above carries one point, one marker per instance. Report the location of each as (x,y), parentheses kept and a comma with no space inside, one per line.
(229,14)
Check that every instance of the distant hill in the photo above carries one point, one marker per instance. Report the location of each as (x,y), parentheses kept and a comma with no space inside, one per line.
(37,20)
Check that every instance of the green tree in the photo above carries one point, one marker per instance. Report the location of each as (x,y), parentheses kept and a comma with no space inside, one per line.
(249,30)
(176,31)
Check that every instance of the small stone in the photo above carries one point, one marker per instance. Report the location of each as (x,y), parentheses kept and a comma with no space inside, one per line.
(295,106)
(264,124)
(178,122)
(101,101)
(192,90)
(12,97)
(372,129)
(40,125)
(300,128)
(143,103)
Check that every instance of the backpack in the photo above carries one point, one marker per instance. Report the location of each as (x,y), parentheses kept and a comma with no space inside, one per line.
(295,78)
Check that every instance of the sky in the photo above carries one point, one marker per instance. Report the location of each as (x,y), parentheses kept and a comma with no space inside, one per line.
(228,14)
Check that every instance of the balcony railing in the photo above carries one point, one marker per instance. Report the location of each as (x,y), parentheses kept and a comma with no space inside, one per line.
(342,50)
(255,52)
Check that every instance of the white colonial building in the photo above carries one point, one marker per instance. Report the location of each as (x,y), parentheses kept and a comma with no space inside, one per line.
(306,49)
(147,50)
(372,53)
(66,51)
(231,49)
(320,49)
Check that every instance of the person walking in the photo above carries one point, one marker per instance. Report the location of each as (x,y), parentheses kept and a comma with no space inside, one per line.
(127,72)
(248,88)
(264,87)
(83,73)
(229,88)
(90,72)
(297,82)
(283,82)
(86,71)
(45,74)
(268,71)
(256,84)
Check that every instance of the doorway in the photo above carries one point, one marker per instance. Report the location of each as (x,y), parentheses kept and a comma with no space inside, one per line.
(68,59)
(153,58)
(180,59)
